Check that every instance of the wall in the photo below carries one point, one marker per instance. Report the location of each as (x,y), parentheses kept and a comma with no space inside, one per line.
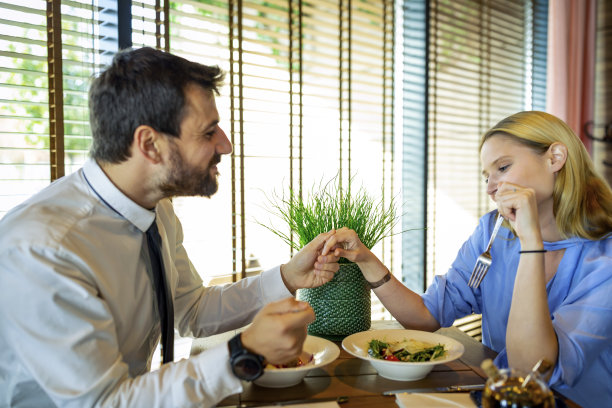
(602,129)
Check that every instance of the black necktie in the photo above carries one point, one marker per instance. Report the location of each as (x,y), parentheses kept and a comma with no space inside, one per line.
(162,291)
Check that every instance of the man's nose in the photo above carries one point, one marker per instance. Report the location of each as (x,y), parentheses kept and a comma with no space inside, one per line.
(224,146)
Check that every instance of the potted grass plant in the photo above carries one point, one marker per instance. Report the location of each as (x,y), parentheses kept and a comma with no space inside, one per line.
(343,305)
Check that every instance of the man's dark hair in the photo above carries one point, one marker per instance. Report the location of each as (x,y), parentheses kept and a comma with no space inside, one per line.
(142,87)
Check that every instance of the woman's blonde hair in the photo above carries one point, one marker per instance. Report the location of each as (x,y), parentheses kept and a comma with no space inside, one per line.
(582,200)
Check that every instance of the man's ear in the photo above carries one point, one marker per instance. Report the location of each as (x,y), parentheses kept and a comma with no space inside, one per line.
(147,142)
(557,156)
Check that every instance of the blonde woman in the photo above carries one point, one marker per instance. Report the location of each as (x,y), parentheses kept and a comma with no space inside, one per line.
(548,293)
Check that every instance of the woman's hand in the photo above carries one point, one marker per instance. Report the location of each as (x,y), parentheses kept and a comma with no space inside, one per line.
(518,205)
(345,243)
(405,305)
(529,334)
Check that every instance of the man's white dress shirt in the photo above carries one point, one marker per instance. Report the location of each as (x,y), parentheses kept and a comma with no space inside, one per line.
(78,315)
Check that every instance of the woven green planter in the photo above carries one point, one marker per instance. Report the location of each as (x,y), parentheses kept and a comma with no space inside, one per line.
(342,306)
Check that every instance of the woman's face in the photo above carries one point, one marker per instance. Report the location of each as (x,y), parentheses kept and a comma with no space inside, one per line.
(506,160)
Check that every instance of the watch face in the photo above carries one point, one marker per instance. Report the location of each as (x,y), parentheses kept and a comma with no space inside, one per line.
(247,367)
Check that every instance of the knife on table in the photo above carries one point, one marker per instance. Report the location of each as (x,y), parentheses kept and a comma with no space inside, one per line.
(450,388)
(339,400)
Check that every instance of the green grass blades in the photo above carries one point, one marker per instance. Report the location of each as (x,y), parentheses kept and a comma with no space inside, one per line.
(331,206)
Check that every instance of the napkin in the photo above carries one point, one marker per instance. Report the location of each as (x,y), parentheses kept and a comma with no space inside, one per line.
(438,400)
(328,404)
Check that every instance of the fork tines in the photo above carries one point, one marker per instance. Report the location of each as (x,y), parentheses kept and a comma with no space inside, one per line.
(483,262)
(480,270)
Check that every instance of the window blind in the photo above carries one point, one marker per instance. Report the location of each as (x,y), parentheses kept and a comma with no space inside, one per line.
(80,36)
(44,126)
(44,129)
(539,10)
(466,65)
(602,113)
(308,96)
(199,31)
(149,22)
(414,141)
(24,120)
(480,66)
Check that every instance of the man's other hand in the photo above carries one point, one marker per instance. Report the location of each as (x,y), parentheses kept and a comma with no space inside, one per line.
(279,330)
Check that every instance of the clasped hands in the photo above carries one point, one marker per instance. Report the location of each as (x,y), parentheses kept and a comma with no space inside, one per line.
(279,330)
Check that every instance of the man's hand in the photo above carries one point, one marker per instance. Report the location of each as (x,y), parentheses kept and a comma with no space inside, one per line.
(302,271)
(278,331)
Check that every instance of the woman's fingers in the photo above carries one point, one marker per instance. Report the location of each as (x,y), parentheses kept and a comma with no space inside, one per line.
(510,198)
(341,244)
(519,205)
(330,244)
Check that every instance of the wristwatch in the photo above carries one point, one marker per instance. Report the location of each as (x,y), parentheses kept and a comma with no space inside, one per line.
(245,365)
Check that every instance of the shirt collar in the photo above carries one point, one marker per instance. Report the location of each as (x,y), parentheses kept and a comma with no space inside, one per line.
(564,243)
(114,198)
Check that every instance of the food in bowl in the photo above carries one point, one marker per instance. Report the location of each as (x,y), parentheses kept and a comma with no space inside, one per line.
(317,353)
(405,350)
(357,344)
(306,358)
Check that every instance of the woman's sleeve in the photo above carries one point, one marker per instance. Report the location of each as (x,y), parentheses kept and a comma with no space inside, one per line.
(449,297)
(583,322)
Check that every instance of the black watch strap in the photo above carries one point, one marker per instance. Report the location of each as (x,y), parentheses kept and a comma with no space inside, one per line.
(245,365)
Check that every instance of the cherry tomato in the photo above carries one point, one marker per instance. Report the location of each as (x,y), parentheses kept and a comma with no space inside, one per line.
(391,357)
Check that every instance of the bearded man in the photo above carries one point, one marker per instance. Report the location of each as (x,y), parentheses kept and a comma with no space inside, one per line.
(93,270)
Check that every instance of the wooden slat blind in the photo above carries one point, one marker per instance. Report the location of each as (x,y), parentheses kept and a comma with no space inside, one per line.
(481,70)
(466,65)
(24,118)
(479,61)
(309,91)
(539,15)
(81,60)
(44,120)
(308,96)
(44,132)
(477,76)
(56,89)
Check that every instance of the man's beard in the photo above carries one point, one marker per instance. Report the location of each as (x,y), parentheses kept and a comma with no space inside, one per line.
(183,180)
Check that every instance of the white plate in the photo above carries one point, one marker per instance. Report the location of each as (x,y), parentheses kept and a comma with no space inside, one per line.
(357,345)
(323,352)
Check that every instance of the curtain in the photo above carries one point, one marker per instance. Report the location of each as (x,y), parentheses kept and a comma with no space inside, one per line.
(571,67)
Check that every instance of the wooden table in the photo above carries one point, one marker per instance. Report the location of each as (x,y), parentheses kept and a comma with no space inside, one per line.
(357,379)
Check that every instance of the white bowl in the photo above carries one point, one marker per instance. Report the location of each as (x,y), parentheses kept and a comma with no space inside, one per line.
(357,345)
(323,352)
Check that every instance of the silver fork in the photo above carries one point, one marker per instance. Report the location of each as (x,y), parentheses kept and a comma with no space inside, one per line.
(483,263)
